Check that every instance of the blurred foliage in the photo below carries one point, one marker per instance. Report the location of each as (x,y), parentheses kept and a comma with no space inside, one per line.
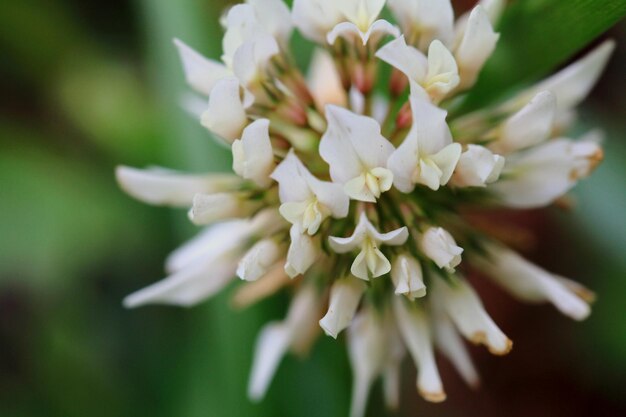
(82,97)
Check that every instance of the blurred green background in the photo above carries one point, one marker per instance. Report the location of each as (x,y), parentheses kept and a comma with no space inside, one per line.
(85,86)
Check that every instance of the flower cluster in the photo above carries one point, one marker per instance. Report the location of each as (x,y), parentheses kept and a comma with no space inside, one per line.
(354,200)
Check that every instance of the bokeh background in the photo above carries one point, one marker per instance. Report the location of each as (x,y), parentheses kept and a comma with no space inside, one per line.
(85,86)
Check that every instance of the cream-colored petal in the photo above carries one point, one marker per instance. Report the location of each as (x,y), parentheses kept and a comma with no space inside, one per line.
(226,115)
(259,259)
(440,246)
(161,186)
(415,331)
(324,81)
(478,43)
(410,61)
(406,274)
(468,314)
(345,296)
(477,167)
(530,126)
(201,73)
(303,252)
(253,157)
(529,282)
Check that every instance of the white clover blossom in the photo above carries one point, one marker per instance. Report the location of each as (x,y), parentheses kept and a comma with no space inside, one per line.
(355,201)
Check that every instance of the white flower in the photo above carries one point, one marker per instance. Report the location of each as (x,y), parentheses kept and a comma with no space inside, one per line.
(307,201)
(440,246)
(477,44)
(477,167)
(345,295)
(370,261)
(210,208)
(253,158)
(246,22)
(257,261)
(449,342)
(325,82)
(278,337)
(531,283)
(226,115)
(406,274)
(252,58)
(415,331)
(162,186)
(426,20)
(530,126)
(438,74)
(362,23)
(205,265)
(201,73)
(315,18)
(468,314)
(373,348)
(357,154)
(303,252)
(540,175)
(427,156)
(572,84)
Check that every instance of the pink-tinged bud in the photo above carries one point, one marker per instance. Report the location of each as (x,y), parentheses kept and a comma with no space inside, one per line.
(404,118)
(398,83)
(363,77)
(292,111)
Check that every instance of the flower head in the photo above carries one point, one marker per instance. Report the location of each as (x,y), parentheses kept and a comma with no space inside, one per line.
(356,201)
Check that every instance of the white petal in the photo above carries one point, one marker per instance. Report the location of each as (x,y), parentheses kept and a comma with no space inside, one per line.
(346,244)
(451,345)
(253,157)
(433,19)
(537,177)
(468,314)
(276,338)
(160,186)
(289,175)
(477,167)
(271,345)
(189,286)
(315,18)
(572,84)
(258,260)
(410,61)
(303,252)
(274,16)
(212,241)
(201,73)
(415,331)
(367,354)
(345,296)
(324,81)
(528,282)
(477,45)
(210,208)
(352,32)
(443,74)
(226,115)
(530,126)
(447,160)
(352,143)
(241,25)
(361,12)
(406,274)
(429,126)
(252,57)
(440,246)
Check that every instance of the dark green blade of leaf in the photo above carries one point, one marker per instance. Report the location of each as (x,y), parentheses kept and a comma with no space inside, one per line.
(536,37)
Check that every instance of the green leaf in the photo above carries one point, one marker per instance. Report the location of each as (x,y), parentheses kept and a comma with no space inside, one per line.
(536,37)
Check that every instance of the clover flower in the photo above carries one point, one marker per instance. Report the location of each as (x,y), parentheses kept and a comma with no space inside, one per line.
(354,201)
